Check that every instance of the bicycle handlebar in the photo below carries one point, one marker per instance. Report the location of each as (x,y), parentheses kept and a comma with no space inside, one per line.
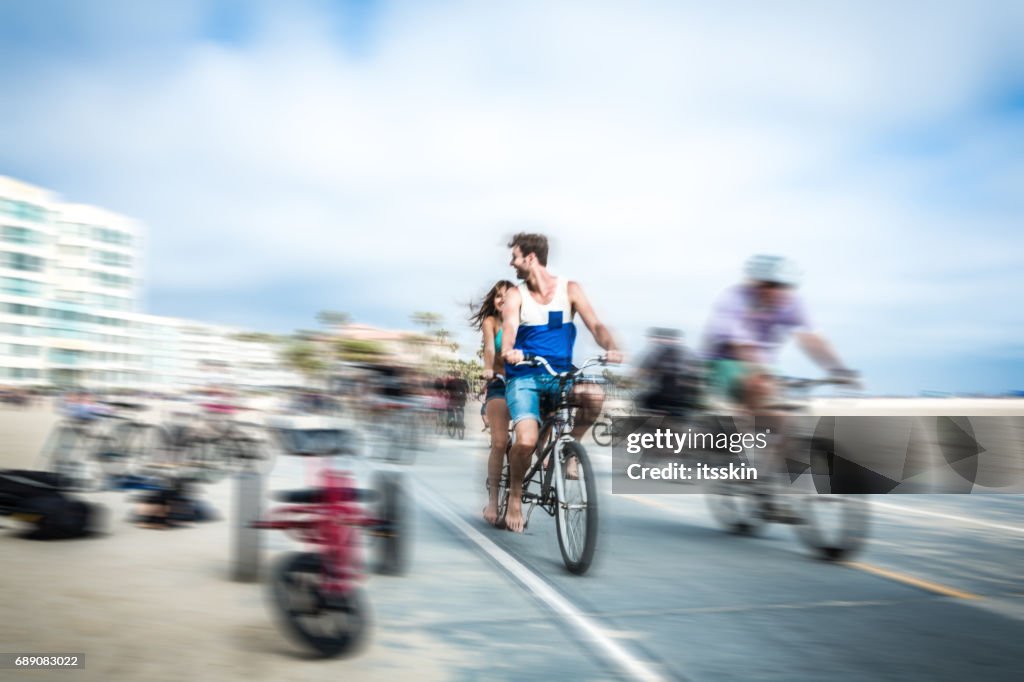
(798,383)
(532,360)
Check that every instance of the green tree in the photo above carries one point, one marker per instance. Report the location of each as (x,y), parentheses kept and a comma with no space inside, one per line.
(304,357)
(356,350)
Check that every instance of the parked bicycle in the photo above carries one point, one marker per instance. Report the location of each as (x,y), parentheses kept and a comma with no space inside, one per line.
(316,592)
(456,423)
(215,443)
(97,441)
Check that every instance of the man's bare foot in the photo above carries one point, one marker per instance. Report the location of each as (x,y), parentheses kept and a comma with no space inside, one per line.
(491,512)
(572,468)
(514,520)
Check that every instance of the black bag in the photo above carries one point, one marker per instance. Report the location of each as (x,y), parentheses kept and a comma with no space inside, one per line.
(674,386)
(36,497)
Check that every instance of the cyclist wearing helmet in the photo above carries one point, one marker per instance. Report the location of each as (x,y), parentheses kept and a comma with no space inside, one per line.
(748,326)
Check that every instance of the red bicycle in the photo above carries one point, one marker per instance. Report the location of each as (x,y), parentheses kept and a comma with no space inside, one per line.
(317,593)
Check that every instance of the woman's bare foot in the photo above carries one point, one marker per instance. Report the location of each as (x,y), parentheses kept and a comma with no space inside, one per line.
(491,513)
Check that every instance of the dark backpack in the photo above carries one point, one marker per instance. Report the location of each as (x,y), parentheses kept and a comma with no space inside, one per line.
(36,497)
(673,384)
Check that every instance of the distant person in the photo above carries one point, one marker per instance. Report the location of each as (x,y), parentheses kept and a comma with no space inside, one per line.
(668,376)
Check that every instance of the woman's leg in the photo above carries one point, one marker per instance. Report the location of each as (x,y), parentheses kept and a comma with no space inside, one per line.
(497,415)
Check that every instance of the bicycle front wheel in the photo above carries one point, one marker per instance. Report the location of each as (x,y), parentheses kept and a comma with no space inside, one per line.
(330,623)
(576,517)
(834,526)
(602,433)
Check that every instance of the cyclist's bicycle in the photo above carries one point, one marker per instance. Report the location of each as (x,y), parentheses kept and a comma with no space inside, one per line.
(572,501)
(316,592)
(833,526)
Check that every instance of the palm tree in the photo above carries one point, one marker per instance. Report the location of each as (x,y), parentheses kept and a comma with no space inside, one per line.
(333,318)
(426,319)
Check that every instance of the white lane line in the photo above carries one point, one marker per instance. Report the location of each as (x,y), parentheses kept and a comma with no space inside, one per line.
(951,517)
(630,665)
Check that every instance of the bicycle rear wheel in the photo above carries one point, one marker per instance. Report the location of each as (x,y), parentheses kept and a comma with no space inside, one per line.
(576,511)
(834,526)
(502,494)
(329,623)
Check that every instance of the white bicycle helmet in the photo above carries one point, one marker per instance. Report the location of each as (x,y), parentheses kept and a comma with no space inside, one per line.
(774,269)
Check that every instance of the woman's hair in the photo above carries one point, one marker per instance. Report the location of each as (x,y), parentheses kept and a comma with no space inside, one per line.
(487,307)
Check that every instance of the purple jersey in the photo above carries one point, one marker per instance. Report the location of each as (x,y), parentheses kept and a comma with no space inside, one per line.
(737,319)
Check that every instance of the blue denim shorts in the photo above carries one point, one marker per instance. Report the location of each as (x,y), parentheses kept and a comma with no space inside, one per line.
(495,389)
(525,395)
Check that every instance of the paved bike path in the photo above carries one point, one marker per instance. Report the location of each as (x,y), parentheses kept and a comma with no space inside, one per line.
(706,605)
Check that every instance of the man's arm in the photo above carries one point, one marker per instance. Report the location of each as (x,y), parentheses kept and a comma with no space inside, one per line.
(510,326)
(601,335)
(819,350)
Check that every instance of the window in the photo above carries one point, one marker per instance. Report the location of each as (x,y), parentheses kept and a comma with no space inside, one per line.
(22,235)
(21,309)
(21,261)
(20,329)
(20,287)
(112,258)
(21,350)
(66,357)
(108,280)
(108,236)
(23,210)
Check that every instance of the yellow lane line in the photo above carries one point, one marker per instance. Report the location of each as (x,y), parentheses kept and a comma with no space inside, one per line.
(912,581)
(919,583)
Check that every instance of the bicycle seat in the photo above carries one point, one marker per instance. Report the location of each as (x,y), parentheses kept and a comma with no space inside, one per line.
(319,495)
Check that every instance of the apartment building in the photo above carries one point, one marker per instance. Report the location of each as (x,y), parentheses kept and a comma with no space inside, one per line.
(70,314)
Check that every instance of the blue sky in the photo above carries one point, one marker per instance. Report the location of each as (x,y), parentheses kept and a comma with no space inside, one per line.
(373,157)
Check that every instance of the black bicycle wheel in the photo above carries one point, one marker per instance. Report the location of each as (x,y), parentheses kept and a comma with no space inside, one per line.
(392,552)
(834,526)
(576,517)
(736,506)
(502,494)
(602,433)
(331,624)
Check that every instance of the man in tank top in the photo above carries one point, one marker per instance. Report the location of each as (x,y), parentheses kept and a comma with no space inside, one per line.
(538,319)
